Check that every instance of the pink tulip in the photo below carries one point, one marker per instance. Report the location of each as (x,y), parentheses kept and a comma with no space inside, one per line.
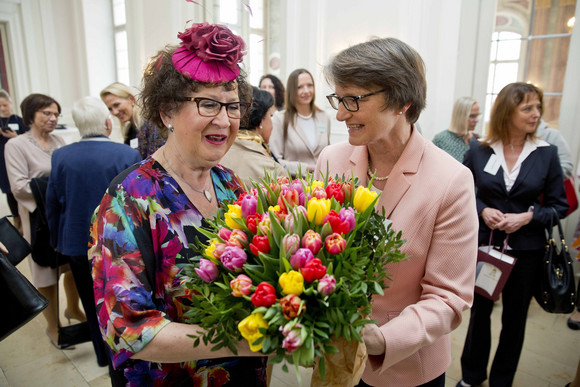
(312,241)
(291,243)
(249,205)
(224,233)
(219,250)
(237,238)
(335,243)
(347,215)
(293,340)
(207,270)
(300,258)
(326,285)
(241,285)
(233,258)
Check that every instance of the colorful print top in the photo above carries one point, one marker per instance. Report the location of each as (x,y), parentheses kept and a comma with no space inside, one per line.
(145,220)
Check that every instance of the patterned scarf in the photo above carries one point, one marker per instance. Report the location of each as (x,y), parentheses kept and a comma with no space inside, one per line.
(251,135)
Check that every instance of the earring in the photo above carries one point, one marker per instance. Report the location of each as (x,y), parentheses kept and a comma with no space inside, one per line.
(400,113)
(261,127)
(170,127)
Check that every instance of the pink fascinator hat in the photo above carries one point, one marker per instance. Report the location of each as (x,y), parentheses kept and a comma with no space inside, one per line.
(209,53)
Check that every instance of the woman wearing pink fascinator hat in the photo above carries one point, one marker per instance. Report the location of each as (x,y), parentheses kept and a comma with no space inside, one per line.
(142,231)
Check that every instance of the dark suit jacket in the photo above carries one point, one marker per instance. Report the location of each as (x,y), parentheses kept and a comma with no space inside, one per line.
(540,175)
(81,173)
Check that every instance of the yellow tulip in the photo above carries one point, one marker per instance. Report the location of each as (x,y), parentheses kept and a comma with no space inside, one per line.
(292,282)
(210,249)
(317,209)
(363,198)
(234,212)
(250,329)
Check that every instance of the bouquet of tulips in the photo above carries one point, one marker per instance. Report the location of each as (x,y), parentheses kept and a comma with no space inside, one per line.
(291,267)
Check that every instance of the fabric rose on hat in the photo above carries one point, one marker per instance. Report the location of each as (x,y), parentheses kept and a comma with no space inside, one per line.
(209,53)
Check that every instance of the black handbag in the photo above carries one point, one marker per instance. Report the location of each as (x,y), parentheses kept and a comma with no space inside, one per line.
(556,291)
(42,251)
(18,247)
(20,300)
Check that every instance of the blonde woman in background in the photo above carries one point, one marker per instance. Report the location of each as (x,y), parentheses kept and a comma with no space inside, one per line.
(121,101)
(302,130)
(464,118)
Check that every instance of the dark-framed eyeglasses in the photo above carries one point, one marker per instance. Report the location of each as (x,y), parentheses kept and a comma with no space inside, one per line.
(207,107)
(349,102)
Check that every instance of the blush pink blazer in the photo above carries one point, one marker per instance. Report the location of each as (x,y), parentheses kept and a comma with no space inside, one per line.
(429,197)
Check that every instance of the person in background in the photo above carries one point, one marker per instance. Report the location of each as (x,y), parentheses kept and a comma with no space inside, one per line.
(554,137)
(511,168)
(302,130)
(464,118)
(11,125)
(80,175)
(122,103)
(249,155)
(273,85)
(142,231)
(380,91)
(27,157)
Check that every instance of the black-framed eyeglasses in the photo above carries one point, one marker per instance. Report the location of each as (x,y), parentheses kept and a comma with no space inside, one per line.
(349,102)
(207,107)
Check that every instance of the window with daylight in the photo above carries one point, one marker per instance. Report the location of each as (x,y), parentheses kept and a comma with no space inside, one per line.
(121,46)
(530,44)
(247,19)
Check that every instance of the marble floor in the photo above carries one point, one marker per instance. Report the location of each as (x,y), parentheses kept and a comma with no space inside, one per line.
(549,359)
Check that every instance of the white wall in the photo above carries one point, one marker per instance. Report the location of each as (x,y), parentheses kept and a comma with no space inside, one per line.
(438,30)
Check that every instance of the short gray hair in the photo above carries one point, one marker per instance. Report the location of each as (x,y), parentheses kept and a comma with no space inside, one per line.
(386,63)
(90,116)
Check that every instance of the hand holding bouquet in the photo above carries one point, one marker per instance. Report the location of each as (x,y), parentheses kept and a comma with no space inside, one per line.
(291,267)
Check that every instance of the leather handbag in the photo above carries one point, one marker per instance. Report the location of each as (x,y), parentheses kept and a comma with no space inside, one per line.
(42,252)
(18,247)
(20,300)
(556,290)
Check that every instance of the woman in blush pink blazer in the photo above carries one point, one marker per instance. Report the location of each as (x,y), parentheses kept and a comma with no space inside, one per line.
(379,93)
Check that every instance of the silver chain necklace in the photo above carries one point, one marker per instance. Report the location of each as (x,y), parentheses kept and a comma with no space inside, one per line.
(203,191)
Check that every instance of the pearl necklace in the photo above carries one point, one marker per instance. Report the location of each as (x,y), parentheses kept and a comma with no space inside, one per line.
(204,191)
(377,178)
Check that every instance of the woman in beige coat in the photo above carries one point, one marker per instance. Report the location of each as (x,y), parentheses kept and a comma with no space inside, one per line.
(27,157)
(250,155)
(302,130)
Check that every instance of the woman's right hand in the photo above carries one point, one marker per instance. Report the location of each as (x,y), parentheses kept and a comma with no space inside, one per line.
(492,217)
(3,248)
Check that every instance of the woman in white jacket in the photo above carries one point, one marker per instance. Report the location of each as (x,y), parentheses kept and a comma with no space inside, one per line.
(302,130)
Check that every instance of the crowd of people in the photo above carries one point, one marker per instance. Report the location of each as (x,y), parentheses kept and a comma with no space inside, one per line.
(197,134)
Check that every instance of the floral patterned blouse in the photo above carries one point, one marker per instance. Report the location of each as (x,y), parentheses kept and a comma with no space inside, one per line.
(145,220)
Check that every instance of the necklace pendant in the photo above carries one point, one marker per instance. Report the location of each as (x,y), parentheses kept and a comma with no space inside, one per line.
(207,195)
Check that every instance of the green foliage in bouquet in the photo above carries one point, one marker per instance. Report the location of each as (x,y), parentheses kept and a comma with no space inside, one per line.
(291,266)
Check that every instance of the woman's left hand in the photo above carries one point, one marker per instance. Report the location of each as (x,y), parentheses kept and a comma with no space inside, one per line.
(374,340)
(513,222)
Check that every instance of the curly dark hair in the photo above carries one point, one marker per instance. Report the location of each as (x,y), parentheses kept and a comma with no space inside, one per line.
(162,83)
(279,90)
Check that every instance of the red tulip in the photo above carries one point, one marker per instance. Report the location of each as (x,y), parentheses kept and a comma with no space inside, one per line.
(265,295)
(260,244)
(313,270)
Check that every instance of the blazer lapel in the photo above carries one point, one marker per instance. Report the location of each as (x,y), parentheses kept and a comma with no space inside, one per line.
(402,173)
(527,166)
